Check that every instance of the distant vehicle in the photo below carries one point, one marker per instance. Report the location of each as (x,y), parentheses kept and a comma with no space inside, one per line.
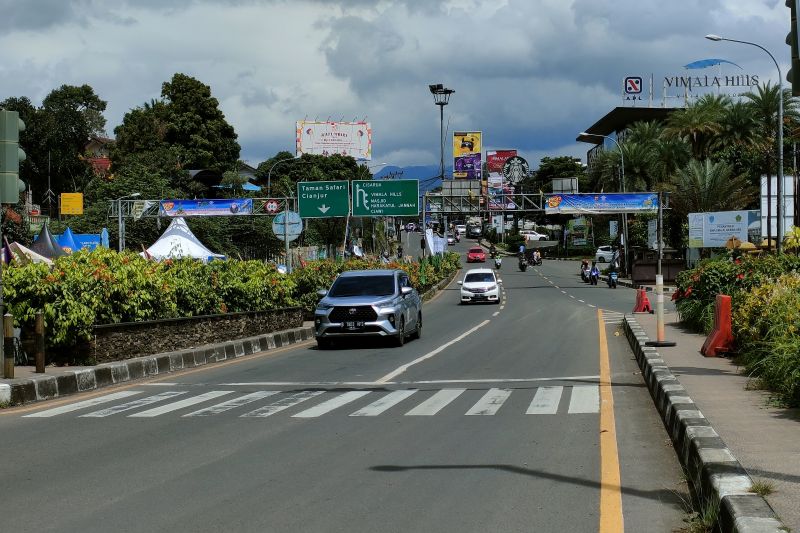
(474,232)
(411,227)
(480,285)
(461,229)
(531,235)
(451,240)
(368,303)
(476,255)
(604,254)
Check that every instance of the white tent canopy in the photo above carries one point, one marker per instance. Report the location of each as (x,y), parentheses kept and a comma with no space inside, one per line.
(178,241)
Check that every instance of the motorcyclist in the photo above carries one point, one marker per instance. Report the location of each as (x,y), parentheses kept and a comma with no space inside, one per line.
(399,251)
(594,274)
(492,251)
(537,257)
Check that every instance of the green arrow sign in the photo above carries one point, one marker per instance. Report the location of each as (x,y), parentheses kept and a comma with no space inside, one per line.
(323,199)
(389,197)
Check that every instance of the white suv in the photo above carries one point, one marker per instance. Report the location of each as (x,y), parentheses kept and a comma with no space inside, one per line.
(531,235)
(604,254)
(480,285)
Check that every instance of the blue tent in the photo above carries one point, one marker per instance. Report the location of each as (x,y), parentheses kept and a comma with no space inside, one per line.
(67,241)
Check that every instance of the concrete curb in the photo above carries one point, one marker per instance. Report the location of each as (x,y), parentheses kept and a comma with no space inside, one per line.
(439,286)
(715,473)
(45,387)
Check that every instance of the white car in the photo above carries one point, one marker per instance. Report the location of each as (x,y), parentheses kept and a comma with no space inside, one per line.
(531,235)
(480,285)
(461,229)
(604,254)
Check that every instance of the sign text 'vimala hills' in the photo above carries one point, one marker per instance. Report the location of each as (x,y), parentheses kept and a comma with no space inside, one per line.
(385,198)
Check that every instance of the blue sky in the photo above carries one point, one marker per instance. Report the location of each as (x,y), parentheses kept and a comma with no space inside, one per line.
(530,74)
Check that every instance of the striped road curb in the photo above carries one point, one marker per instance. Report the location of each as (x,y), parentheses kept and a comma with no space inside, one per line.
(23,391)
(714,472)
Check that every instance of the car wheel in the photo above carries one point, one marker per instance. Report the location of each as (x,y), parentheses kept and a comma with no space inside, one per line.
(400,339)
(542,238)
(324,344)
(418,332)
(601,259)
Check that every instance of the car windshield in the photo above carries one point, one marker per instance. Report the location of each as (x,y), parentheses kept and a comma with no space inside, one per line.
(363,286)
(479,277)
(475,250)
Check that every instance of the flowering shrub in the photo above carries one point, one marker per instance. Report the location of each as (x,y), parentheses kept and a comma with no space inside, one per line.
(105,287)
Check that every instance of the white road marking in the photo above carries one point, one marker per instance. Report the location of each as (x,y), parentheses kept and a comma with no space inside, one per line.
(333,403)
(232,404)
(401,369)
(585,399)
(490,403)
(563,292)
(133,405)
(502,307)
(545,401)
(592,306)
(550,282)
(571,296)
(284,403)
(436,403)
(180,404)
(496,313)
(556,286)
(80,405)
(408,383)
(581,301)
(387,402)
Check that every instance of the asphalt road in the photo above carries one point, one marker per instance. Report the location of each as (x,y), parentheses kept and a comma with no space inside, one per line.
(496,420)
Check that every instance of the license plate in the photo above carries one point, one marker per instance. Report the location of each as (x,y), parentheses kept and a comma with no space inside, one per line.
(353,325)
(480,296)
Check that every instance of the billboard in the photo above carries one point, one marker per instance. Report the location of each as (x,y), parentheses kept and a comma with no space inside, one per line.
(639,202)
(712,230)
(205,208)
(328,138)
(71,203)
(498,189)
(467,146)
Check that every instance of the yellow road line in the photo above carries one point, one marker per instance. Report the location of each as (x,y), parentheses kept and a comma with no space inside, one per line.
(611,520)
(49,404)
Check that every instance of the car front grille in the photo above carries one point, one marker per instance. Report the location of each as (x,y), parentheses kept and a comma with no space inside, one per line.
(363,313)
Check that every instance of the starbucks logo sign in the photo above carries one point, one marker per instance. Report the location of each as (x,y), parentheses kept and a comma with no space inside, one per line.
(515,169)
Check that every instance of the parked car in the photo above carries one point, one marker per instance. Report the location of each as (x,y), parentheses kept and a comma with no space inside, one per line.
(474,232)
(531,235)
(480,285)
(604,254)
(476,255)
(368,303)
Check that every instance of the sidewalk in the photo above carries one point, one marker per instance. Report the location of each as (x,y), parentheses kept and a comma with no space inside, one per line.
(764,439)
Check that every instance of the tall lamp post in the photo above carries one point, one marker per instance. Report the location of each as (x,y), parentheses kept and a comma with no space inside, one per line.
(779,191)
(269,174)
(441,96)
(626,245)
(120,221)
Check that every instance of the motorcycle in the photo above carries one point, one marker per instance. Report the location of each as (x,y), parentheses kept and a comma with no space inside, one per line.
(612,279)
(594,276)
(523,264)
(585,271)
(497,263)
(536,261)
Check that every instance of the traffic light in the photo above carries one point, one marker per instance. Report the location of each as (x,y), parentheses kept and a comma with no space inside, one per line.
(793,76)
(10,156)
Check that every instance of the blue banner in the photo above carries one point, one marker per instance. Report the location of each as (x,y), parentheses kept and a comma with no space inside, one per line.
(602,203)
(206,208)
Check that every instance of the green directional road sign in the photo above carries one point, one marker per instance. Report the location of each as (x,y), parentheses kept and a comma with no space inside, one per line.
(323,199)
(373,198)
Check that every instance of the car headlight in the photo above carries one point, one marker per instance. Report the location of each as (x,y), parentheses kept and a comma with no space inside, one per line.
(491,287)
(324,307)
(386,311)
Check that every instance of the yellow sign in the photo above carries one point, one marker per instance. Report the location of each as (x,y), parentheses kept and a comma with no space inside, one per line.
(466,142)
(72,203)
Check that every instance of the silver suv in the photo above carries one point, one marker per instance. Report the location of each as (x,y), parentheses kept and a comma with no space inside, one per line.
(368,303)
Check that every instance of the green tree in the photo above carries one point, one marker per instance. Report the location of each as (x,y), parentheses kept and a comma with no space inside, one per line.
(706,186)
(697,123)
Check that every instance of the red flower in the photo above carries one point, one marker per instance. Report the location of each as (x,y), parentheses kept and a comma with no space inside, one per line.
(688,292)
(740,276)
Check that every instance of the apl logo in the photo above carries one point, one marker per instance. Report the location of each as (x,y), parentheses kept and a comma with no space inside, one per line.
(633,85)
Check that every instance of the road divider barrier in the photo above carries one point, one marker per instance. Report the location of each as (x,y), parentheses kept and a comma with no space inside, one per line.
(720,340)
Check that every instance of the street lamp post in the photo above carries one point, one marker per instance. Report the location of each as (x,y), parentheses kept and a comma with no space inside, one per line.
(441,96)
(269,174)
(779,191)
(120,220)
(626,245)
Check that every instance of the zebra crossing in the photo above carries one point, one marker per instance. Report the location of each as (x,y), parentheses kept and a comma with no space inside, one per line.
(613,317)
(546,400)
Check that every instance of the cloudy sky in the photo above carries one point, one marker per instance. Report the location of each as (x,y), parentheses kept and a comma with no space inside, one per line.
(530,74)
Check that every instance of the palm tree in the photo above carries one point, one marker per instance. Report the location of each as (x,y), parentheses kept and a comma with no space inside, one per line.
(644,132)
(738,127)
(696,123)
(705,186)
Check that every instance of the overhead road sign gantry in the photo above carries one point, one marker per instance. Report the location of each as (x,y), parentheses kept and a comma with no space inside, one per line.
(374,198)
(323,199)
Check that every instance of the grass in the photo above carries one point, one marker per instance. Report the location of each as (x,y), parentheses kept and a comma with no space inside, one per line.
(703,520)
(762,488)
(5,405)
